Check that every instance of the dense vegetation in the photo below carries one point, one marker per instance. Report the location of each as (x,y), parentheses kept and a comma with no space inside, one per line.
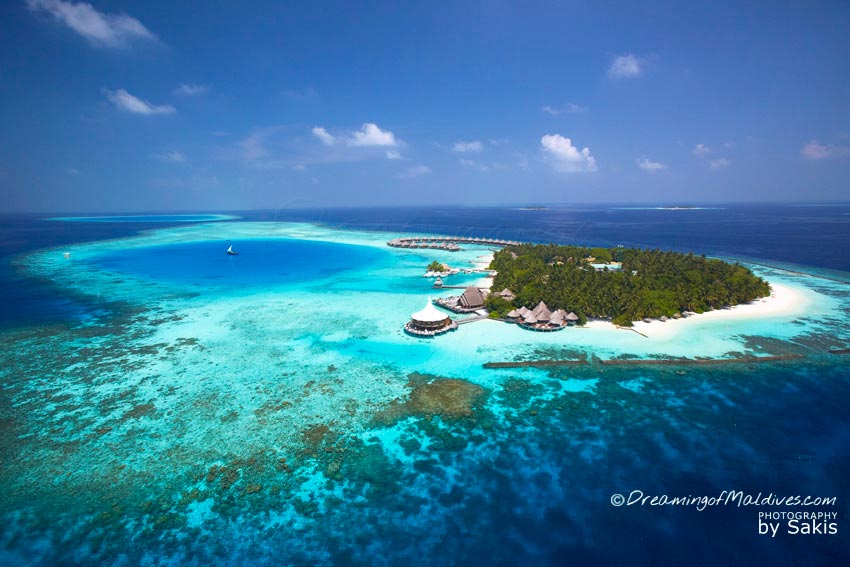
(652,283)
(436,266)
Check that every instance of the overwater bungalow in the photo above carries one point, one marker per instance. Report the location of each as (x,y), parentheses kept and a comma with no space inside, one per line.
(429,322)
(557,319)
(472,298)
(542,319)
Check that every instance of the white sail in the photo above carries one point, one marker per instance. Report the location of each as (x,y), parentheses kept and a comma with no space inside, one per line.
(230,249)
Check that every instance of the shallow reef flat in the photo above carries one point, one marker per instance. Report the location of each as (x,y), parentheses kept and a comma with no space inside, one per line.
(279,419)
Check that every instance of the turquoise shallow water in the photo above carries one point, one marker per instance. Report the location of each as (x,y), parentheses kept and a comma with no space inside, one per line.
(227,413)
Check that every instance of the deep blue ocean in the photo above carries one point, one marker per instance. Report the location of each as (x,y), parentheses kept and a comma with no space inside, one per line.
(781,428)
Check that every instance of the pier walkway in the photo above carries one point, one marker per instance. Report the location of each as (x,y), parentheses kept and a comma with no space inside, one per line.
(471,319)
(450,243)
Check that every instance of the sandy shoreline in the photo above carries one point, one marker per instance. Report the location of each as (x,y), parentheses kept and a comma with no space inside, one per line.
(784,302)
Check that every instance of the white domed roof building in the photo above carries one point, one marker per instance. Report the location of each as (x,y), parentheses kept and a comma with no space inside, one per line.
(429,321)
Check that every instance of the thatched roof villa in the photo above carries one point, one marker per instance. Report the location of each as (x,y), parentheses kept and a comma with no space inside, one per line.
(541,318)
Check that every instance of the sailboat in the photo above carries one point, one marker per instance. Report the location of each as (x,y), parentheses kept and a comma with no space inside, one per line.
(231,252)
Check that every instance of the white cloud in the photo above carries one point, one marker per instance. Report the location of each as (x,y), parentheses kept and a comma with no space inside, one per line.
(569,108)
(393,154)
(173,157)
(73,171)
(326,137)
(101,30)
(720,163)
(415,171)
(625,67)
(814,150)
(564,156)
(125,101)
(701,150)
(475,165)
(463,147)
(370,135)
(647,164)
(187,89)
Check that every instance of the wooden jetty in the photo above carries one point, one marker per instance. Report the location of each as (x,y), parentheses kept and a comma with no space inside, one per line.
(471,319)
(534,363)
(449,243)
(642,361)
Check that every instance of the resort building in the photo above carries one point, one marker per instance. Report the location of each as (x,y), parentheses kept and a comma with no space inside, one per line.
(472,298)
(541,318)
(470,301)
(610,266)
(429,322)
(507,295)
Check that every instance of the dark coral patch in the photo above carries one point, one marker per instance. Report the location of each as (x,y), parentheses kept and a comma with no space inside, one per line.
(449,398)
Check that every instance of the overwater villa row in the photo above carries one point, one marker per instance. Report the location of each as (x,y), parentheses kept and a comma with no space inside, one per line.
(449,243)
(541,318)
(430,321)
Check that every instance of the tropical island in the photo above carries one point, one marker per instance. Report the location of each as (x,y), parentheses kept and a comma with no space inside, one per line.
(619,284)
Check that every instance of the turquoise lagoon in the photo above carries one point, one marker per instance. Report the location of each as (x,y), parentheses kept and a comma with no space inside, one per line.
(269,408)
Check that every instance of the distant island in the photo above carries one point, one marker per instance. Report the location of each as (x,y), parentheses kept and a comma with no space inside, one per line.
(620,284)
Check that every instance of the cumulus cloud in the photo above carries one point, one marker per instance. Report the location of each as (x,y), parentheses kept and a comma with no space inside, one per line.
(647,164)
(569,108)
(720,163)
(187,89)
(701,150)
(625,67)
(101,30)
(393,154)
(370,135)
(463,147)
(415,171)
(814,150)
(173,157)
(125,101)
(326,137)
(564,156)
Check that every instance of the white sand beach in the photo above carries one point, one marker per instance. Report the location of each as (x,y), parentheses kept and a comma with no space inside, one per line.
(784,302)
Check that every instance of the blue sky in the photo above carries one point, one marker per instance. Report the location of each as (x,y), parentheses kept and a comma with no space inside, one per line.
(127,106)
